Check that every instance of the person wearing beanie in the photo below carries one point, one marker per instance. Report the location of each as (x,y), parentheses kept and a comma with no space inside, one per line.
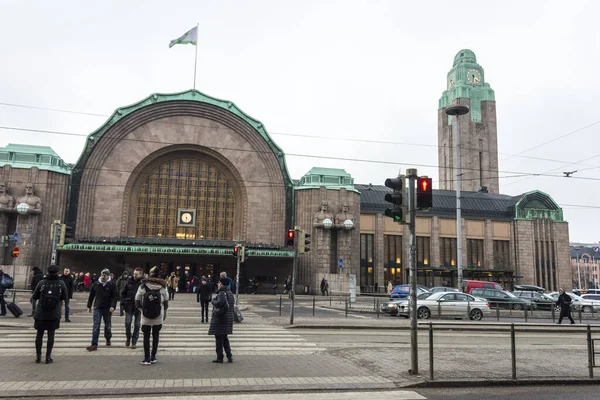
(68,280)
(35,279)
(49,292)
(132,314)
(151,298)
(103,296)
(221,323)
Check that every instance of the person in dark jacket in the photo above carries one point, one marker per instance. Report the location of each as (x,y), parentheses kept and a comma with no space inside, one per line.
(221,323)
(35,279)
(103,296)
(203,296)
(47,316)
(2,290)
(68,280)
(132,313)
(564,302)
(120,284)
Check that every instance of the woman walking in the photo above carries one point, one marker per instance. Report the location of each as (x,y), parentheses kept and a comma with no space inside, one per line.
(564,302)
(49,293)
(151,298)
(221,323)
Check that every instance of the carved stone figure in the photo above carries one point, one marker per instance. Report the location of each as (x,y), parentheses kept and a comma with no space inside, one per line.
(34,202)
(323,219)
(344,220)
(7,202)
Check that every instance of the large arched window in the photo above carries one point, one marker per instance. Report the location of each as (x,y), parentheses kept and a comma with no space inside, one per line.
(188,183)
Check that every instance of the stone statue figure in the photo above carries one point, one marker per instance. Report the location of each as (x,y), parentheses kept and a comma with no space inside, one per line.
(7,202)
(323,219)
(344,220)
(34,202)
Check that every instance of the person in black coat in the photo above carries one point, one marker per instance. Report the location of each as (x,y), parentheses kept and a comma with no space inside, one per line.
(132,313)
(47,314)
(68,280)
(35,279)
(564,301)
(203,296)
(103,297)
(221,323)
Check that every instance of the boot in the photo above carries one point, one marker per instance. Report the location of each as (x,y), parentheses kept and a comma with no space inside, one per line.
(38,358)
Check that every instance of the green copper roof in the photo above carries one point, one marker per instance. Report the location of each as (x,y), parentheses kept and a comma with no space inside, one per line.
(538,205)
(466,79)
(27,156)
(189,95)
(331,178)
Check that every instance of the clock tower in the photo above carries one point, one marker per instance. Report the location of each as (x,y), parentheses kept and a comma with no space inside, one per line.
(466,85)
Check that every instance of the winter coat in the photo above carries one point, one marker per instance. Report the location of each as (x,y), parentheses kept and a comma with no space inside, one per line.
(37,277)
(564,301)
(120,283)
(204,293)
(103,295)
(172,282)
(54,314)
(222,324)
(128,293)
(153,284)
(87,280)
(68,280)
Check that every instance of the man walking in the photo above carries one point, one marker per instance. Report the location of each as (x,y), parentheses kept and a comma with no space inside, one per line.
(103,296)
(68,280)
(221,323)
(35,279)
(132,313)
(120,284)
(203,296)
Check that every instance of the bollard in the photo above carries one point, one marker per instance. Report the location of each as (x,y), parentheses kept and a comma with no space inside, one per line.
(580,313)
(329,301)
(553,314)
(590,352)
(346,307)
(430,351)
(374,302)
(525,309)
(513,351)
(439,307)
(377,308)
(280,305)
(313,305)
(497,313)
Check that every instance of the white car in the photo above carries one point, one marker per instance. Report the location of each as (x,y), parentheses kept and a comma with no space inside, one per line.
(449,304)
(586,305)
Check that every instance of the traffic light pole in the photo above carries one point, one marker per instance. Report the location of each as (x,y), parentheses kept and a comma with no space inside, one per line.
(237,279)
(294,268)
(411,174)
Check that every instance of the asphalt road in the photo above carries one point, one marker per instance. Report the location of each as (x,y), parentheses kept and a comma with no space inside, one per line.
(548,392)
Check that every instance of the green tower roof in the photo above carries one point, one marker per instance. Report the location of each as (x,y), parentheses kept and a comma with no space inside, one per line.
(27,156)
(331,178)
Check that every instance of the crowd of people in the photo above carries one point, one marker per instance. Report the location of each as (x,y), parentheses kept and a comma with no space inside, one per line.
(142,298)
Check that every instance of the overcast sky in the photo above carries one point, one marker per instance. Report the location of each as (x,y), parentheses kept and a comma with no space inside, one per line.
(370,70)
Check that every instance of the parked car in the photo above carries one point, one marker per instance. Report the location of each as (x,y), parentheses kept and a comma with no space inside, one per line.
(470,285)
(529,288)
(450,304)
(503,299)
(543,301)
(391,307)
(403,291)
(443,289)
(590,296)
(586,306)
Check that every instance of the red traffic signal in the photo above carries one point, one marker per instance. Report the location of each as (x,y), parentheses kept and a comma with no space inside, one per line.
(236,250)
(291,234)
(424,193)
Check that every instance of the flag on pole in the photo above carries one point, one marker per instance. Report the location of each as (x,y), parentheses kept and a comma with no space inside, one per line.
(190,37)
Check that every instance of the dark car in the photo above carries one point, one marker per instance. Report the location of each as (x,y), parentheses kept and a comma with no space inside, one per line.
(403,291)
(503,299)
(543,302)
(529,288)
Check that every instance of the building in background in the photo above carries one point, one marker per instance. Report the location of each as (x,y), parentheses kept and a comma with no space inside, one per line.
(585,265)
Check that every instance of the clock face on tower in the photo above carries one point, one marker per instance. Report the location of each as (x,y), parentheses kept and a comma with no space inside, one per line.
(451,81)
(186,217)
(473,76)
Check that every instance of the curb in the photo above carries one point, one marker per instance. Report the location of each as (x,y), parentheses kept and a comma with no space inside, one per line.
(436,328)
(501,382)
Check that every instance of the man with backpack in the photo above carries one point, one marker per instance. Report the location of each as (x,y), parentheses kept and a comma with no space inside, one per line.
(49,293)
(103,296)
(132,313)
(151,298)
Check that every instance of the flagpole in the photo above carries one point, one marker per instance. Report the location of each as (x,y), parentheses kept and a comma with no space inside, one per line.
(196,56)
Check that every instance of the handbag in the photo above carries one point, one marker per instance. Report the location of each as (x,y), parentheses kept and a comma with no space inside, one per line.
(7,281)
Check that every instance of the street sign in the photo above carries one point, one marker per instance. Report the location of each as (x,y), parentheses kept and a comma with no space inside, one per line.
(15,252)
(341,263)
(15,237)
(595,249)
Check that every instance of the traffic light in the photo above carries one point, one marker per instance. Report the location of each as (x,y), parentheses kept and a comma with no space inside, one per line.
(290,238)
(236,250)
(424,193)
(397,198)
(243,254)
(66,232)
(303,242)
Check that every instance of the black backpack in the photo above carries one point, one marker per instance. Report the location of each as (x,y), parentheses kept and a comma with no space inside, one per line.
(151,303)
(50,295)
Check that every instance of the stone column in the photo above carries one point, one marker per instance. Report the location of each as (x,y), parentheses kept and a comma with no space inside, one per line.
(4,220)
(323,251)
(27,228)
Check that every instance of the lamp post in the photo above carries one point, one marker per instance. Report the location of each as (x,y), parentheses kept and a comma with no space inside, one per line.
(457,111)
(578,268)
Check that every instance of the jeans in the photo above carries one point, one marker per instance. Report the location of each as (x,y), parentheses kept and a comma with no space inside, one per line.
(135,316)
(99,315)
(67,308)
(204,309)
(33,304)
(222,342)
(2,304)
(155,334)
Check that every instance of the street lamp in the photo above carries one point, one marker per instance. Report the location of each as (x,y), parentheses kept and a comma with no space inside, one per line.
(456,111)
